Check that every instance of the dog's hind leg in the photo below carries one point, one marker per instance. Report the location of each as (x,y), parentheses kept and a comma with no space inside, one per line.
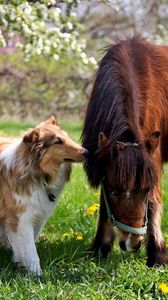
(23,246)
(3,238)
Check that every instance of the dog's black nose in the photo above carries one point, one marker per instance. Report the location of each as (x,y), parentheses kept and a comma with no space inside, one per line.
(86,153)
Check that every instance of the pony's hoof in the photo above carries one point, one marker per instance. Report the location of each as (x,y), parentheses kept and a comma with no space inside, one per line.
(160,259)
(103,250)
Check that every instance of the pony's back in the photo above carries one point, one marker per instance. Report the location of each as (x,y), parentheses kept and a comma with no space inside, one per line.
(129,84)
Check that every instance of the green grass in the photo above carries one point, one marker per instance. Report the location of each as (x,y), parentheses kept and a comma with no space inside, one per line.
(69,272)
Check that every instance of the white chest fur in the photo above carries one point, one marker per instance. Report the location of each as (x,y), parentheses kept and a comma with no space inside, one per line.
(38,205)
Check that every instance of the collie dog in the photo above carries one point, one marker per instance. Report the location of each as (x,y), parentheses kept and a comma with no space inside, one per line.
(33,171)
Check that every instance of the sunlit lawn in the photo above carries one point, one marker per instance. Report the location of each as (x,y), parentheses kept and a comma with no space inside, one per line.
(69,272)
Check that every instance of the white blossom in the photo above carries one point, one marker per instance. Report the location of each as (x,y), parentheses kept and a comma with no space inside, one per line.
(83,55)
(78,48)
(58,10)
(69,25)
(66,35)
(18,19)
(55,13)
(48,42)
(2,10)
(73,14)
(2,40)
(73,45)
(13,16)
(55,29)
(54,44)
(38,51)
(28,10)
(44,30)
(4,21)
(52,2)
(55,56)
(93,61)
(26,29)
(28,48)
(85,60)
(46,49)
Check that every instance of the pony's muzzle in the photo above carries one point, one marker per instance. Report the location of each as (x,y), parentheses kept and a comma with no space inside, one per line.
(131,244)
(138,246)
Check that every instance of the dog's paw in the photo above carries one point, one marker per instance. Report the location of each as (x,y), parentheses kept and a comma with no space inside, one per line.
(32,266)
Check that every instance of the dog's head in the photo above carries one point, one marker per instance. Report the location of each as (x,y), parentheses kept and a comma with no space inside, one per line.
(52,146)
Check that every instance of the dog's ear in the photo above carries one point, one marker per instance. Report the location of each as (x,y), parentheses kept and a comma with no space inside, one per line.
(52,121)
(32,136)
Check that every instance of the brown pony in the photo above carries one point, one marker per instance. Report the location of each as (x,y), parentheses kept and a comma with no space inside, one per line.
(126,132)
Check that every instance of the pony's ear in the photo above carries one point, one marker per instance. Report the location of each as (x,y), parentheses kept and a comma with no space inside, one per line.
(103,140)
(152,141)
(32,136)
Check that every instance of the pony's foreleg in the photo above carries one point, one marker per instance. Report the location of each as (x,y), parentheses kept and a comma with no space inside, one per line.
(105,235)
(156,250)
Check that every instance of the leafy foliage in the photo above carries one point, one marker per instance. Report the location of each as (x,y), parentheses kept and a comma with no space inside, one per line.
(41,87)
(45,28)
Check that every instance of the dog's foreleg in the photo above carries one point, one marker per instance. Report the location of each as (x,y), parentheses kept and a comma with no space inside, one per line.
(23,246)
(38,228)
(156,250)
(105,235)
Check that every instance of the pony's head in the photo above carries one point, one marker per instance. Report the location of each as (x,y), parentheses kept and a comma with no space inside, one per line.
(129,177)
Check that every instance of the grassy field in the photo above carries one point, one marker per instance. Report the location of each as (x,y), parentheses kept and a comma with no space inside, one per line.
(69,272)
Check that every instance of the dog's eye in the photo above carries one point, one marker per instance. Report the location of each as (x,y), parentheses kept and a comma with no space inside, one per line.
(59,142)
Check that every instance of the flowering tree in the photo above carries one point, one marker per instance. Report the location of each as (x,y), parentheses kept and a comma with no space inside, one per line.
(46,27)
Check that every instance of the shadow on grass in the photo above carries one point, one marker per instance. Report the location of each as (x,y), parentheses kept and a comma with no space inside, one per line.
(71,261)
(67,261)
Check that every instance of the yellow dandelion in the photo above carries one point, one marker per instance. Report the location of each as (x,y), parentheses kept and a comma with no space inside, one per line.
(79,237)
(66,234)
(92,209)
(75,233)
(163,287)
(97,194)
(97,205)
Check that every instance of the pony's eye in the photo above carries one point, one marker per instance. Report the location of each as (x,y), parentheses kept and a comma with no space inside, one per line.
(117,193)
(59,142)
(113,193)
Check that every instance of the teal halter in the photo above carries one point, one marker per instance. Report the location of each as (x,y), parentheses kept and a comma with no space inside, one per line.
(124,227)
